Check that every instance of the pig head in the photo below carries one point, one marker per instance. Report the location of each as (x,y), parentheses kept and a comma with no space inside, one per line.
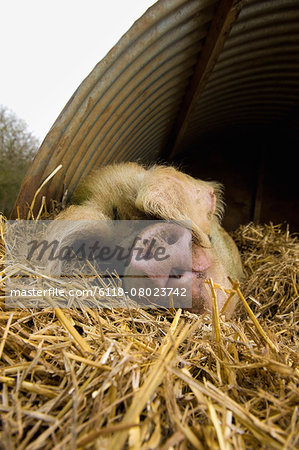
(130,191)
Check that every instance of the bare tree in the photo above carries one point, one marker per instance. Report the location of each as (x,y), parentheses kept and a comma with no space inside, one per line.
(17,148)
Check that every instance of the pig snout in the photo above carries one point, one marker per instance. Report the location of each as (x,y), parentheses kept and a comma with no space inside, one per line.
(164,253)
(164,262)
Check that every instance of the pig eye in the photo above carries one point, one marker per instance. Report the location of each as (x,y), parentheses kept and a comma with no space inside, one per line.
(195,239)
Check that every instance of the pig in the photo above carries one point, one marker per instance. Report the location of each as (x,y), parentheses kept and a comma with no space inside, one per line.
(130,191)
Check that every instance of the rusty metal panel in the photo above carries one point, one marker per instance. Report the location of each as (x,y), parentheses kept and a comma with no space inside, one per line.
(127,106)
(124,109)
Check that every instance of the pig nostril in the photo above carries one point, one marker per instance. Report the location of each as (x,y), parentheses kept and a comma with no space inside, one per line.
(171,238)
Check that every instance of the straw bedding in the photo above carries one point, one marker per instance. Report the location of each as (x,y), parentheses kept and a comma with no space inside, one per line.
(96,378)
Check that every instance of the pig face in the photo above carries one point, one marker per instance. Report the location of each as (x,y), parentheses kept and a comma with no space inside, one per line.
(191,253)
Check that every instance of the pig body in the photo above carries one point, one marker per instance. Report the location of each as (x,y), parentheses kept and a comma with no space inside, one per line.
(130,191)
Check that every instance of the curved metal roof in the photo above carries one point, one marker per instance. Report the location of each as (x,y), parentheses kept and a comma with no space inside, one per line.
(255,80)
(184,68)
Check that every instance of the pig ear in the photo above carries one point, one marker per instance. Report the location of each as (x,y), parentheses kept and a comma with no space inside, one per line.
(162,195)
(170,194)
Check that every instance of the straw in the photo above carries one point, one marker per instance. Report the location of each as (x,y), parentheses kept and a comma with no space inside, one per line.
(95,376)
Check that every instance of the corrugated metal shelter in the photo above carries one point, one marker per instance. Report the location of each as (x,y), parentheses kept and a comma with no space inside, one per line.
(211,85)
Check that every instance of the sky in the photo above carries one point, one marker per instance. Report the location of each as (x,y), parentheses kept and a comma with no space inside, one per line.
(49,46)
